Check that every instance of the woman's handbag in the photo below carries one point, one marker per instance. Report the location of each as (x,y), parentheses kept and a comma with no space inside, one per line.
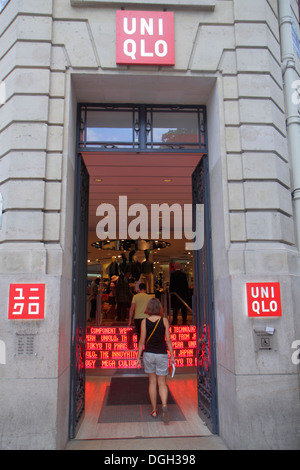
(172,370)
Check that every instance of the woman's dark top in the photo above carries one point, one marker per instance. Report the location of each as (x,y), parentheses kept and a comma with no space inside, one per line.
(157,343)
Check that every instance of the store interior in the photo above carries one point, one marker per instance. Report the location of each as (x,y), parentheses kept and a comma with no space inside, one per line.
(145,179)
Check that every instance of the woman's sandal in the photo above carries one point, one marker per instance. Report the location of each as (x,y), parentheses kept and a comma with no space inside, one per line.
(154,414)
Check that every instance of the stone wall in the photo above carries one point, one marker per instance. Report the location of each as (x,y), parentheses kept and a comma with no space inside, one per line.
(36,239)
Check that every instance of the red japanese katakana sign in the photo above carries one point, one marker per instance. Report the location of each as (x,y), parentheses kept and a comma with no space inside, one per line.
(26,302)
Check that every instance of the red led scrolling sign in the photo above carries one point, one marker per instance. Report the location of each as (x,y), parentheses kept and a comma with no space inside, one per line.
(264,299)
(106,347)
(145,37)
(26,302)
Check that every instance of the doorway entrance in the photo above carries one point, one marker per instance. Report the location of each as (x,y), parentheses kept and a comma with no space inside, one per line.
(150,155)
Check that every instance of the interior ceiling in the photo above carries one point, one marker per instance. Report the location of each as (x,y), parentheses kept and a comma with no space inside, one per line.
(141,177)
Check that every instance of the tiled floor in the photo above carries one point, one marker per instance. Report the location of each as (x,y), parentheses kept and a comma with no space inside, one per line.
(189,434)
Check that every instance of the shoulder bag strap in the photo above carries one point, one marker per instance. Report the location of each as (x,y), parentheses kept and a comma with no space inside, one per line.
(154,329)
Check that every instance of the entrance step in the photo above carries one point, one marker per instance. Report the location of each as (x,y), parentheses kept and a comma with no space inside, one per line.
(107,347)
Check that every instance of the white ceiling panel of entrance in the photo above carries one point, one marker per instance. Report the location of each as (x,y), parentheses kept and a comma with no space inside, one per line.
(128,87)
(143,178)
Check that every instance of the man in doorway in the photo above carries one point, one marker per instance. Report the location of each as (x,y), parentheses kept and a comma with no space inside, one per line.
(137,309)
(179,285)
(123,296)
(93,298)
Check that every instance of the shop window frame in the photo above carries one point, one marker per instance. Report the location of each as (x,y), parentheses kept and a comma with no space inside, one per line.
(144,127)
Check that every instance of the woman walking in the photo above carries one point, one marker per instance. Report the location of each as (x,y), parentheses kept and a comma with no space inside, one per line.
(155,336)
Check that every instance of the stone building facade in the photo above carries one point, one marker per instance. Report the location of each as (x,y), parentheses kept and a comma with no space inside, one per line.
(230,56)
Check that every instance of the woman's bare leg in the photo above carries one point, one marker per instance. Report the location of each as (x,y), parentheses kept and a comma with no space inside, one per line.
(153,390)
(163,393)
(163,389)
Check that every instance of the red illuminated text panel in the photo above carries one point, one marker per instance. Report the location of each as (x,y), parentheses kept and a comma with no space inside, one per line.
(264,299)
(26,302)
(145,37)
(127,364)
(106,347)
(106,330)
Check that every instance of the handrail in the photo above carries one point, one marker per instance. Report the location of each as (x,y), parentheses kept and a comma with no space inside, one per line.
(99,305)
(183,301)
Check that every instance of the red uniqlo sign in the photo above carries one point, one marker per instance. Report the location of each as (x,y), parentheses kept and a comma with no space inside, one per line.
(264,299)
(26,301)
(145,37)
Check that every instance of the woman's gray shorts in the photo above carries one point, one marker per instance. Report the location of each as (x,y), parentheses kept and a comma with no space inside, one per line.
(156,363)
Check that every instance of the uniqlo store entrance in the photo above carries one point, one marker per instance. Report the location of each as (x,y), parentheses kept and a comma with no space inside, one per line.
(142,213)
